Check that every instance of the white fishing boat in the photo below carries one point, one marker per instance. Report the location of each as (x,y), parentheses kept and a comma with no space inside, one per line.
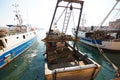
(14,40)
(63,61)
(106,37)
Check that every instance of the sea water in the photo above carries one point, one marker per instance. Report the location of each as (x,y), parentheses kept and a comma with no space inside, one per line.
(30,64)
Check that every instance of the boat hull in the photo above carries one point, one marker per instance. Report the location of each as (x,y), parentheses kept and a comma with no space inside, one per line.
(81,72)
(107,45)
(11,54)
(64,67)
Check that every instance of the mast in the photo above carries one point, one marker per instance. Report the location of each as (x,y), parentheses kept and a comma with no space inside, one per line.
(68,11)
(76,34)
(18,16)
(109,12)
(53,17)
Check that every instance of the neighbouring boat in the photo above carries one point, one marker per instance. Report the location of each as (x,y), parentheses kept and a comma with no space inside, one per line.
(14,40)
(107,40)
(106,37)
(63,61)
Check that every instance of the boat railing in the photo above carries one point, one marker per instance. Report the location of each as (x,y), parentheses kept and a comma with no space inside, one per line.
(89,69)
(79,56)
(75,68)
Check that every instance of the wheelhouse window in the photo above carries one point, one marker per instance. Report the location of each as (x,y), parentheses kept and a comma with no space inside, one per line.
(1,45)
(23,36)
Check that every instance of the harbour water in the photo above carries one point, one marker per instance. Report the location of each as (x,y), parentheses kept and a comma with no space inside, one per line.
(30,64)
(107,72)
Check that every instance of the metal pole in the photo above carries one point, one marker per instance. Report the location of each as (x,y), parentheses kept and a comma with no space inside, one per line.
(53,17)
(109,13)
(78,23)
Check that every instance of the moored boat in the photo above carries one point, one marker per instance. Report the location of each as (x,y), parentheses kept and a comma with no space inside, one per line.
(14,40)
(107,40)
(106,37)
(63,61)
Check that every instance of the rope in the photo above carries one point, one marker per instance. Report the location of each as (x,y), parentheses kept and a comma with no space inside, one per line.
(109,13)
(62,13)
(73,19)
(102,53)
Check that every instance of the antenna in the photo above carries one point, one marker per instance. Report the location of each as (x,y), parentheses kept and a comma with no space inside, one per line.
(17,15)
(16,8)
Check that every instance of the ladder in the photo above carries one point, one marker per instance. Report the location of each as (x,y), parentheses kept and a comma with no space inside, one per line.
(66,19)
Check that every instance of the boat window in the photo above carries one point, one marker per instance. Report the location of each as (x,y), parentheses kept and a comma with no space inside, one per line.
(35,33)
(23,36)
(6,40)
(89,35)
(1,45)
(17,37)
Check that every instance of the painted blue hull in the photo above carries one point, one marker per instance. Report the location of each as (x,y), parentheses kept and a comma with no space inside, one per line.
(91,41)
(13,53)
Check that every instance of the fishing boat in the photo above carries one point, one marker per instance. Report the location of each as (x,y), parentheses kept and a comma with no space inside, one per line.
(106,37)
(63,61)
(14,40)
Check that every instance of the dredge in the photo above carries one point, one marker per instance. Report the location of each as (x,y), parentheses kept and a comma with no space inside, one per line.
(64,61)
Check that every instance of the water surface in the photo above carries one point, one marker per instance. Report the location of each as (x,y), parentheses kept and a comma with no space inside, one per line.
(30,64)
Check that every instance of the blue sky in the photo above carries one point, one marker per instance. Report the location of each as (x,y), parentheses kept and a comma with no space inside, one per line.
(39,12)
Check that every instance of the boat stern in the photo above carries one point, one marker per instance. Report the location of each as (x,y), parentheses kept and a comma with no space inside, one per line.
(81,72)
